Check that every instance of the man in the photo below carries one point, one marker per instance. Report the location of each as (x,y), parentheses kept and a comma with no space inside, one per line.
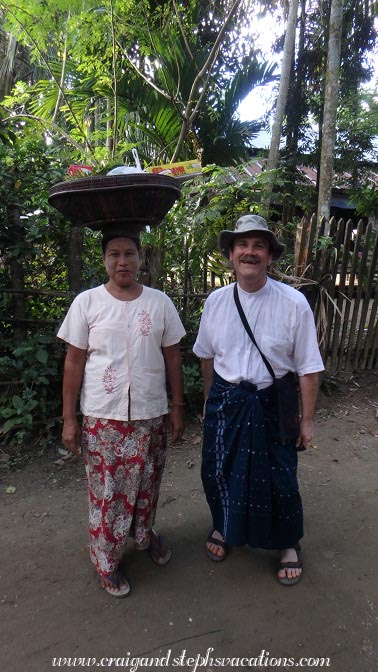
(248,470)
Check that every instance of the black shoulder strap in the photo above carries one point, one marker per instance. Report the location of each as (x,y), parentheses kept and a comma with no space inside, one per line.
(249,330)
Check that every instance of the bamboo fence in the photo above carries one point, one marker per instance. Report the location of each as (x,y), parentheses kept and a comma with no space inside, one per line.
(338,273)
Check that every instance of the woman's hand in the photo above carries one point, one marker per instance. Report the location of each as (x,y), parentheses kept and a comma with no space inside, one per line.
(73,375)
(71,436)
(176,422)
(172,358)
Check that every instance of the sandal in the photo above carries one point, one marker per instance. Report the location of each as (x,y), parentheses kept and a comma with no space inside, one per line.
(159,550)
(291,581)
(117,578)
(217,542)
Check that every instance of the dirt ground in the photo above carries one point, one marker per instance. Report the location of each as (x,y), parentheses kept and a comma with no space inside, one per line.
(52,606)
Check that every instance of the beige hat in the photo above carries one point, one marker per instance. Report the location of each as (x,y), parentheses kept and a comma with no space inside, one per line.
(247,224)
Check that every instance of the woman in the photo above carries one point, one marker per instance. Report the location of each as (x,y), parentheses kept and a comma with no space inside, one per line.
(123,342)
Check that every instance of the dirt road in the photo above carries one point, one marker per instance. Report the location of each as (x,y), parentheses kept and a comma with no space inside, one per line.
(52,606)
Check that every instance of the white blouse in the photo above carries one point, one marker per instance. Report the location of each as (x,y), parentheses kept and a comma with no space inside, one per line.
(124,376)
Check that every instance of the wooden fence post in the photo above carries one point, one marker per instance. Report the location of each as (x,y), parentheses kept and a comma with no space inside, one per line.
(358,265)
(337,345)
(337,232)
(366,286)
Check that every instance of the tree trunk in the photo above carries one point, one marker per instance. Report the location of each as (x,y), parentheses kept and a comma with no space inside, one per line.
(296,111)
(17,277)
(109,129)
(282,98)
(330,110)
(7,70)
(75,258)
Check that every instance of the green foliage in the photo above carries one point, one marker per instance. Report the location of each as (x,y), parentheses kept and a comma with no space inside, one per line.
(30,384)
(7,135)
(324,243)
(304,112)
(31,237)
(108,76)
(366,200)
(224,138)
(19,414)
(208,205)
(134,71)
(193,389)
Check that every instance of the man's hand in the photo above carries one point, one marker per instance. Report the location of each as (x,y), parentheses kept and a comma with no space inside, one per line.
(307,433)
(308,385)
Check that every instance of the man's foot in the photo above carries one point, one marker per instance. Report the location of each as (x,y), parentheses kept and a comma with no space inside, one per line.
(116,584)
(216,547)
(158,549)
(290,570)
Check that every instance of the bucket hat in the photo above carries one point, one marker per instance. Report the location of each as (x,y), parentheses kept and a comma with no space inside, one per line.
(249,224)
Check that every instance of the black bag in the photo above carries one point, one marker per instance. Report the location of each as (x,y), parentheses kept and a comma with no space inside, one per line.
(286,388)
(288,406)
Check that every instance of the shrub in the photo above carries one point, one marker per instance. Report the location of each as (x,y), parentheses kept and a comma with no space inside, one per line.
(31,395)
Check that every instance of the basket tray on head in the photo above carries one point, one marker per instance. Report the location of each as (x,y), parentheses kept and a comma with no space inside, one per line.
(139,199)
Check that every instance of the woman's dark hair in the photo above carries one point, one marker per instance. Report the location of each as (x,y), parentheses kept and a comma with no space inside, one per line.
(106,239)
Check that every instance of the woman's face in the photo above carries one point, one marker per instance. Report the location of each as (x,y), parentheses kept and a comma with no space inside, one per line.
(121,260)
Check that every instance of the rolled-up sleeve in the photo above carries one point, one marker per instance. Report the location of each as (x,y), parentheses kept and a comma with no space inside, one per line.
(74,328)
(307,357)
(173,327)
(203,347)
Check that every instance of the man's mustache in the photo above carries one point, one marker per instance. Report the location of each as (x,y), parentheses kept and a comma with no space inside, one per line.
(249,258)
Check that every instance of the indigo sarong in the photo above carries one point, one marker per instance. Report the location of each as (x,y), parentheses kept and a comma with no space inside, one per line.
(249,475)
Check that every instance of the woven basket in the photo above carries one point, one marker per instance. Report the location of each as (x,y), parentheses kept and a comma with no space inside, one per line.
(138,199)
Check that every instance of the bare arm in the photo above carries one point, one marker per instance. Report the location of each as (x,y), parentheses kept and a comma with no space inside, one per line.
(172,358)
(308,385)
(72,378)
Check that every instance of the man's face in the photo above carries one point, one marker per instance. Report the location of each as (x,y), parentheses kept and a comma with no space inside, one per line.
(251,257)
(121,260)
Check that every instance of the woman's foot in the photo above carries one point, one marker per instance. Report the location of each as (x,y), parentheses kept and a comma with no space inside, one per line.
(216,547)
(116,584)
(290,569)
(158,549)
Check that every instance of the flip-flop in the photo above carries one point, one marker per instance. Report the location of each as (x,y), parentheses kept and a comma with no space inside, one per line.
(159,550)
(286,581)
(221,544)
(117,579)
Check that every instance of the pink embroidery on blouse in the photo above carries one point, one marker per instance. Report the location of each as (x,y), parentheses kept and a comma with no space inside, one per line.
(145,323)
(108,379)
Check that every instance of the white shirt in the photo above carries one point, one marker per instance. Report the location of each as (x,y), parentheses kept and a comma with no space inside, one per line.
(282,323)
(124,376)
